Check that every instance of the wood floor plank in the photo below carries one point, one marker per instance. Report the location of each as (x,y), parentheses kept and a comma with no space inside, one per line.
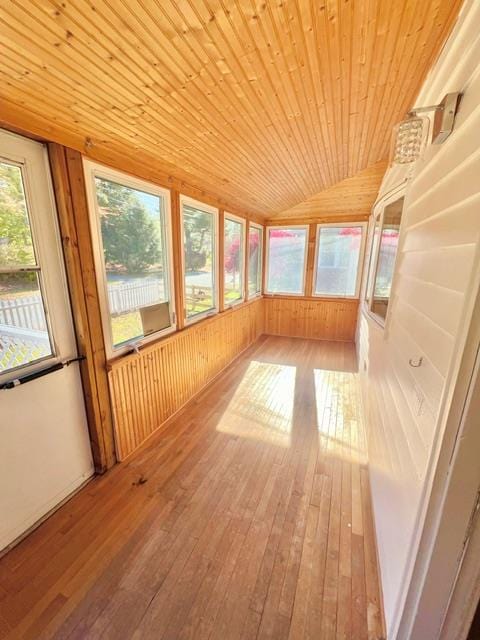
(246,517)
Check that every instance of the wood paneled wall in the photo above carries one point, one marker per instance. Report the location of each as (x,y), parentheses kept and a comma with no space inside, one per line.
(149,387)
(204,349)
(146,389)
(320,318)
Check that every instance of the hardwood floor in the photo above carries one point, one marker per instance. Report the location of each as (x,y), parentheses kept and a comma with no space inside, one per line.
(247,517)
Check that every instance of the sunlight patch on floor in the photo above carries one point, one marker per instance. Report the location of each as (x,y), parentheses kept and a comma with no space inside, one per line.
(339,420)
(263,404)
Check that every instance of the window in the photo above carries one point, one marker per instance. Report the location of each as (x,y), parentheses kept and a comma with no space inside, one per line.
(233,259)
(255,254)
(339,249)
(200,224)
(384,252)
(24,332)
(286,258)
(132,220)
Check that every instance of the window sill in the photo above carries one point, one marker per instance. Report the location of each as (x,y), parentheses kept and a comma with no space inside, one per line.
(233,303)
(279,294)
(172,334)
(332,296)
(317,298)
(137,345)
(201,316)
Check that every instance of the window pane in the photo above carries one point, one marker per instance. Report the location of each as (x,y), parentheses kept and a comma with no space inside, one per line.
(254,260)
(136,262)
(16,247)
(286,260)
(24,334)
(386,257)
(337,260)
(233,260)
(199,251)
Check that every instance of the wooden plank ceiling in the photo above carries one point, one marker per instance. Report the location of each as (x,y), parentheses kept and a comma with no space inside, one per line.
(260,103)
(350,197)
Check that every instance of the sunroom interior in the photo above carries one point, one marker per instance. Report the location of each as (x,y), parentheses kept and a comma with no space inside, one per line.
(239,319)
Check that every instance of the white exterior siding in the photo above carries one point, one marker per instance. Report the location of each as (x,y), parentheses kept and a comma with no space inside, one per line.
(429,310)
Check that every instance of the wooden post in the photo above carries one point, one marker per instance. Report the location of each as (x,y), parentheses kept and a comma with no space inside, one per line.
(312,233)
(221,259)
(264,259)
(177,259)
(245,272)
(69,185)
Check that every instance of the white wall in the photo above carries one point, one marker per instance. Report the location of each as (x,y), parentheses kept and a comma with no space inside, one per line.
(428,315)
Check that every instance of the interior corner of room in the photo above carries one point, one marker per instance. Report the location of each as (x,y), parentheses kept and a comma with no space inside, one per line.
(240,320)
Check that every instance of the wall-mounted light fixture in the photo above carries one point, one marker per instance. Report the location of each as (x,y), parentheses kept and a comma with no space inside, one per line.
(410,135)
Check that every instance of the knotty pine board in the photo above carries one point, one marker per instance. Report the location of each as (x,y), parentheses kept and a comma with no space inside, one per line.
(148,388)
(319,318)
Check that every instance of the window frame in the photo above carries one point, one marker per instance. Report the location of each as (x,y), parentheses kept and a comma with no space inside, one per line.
(267,259)
(360,264)
(243,223)
(94,170)
(206,208)
(258,292)
(378,214)
(369,258)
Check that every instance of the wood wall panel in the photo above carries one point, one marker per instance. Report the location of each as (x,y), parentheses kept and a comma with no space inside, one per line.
(264,104)
(323,319)
(68,180)
(149,387)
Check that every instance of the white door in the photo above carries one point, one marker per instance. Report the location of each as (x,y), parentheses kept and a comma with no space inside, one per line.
(44,446)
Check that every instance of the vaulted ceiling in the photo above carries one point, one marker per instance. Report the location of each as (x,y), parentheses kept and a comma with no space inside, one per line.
(261,103)
(350,197)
